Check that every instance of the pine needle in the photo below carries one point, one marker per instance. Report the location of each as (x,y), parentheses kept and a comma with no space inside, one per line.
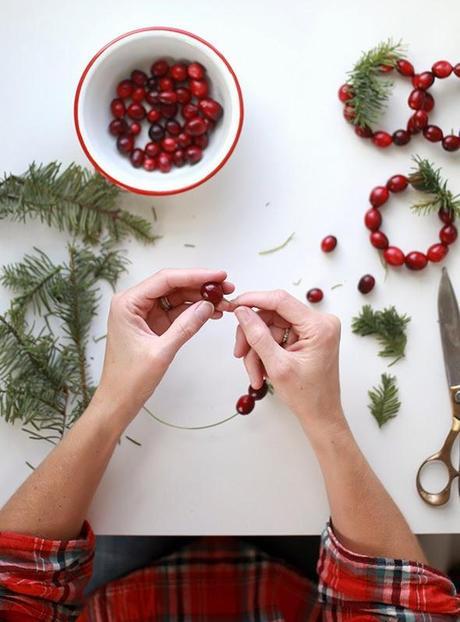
(387,326)
(427,179)
(384,400)
(277,248)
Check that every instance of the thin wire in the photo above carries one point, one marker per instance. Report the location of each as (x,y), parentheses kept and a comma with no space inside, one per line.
(185,427)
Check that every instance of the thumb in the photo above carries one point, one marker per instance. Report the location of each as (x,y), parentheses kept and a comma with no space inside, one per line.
(257,335)
(186,325)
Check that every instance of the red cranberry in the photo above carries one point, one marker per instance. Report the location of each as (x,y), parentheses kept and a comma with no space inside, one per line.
(363,131)
(378,196)
(179,158)
(164,162)
(118,126)
(165,84)
(416,99)
(199,88)
(125,143)
(416,260)
(404,67)
(193,154)
(156,132)
(184,140)
(349,112)
(150,164)
(196,71)
(258,394)
(138,94)
(373,219)
(451,142)
(168,97)
(183,95)
(152,97)
(201,141)
(446,216)
(179,72)
(169,111)
(213,292)
(448,234)
(433,133)
(151,84)
(379,240)
(457,70)
(315,295)
(401,137)
(137,157)
(153,115)
(195,126)
(397,183)
(442,69)
(136,111)
(423,80)
(328,243)
(411,126)
(211,109)
(429,102)
(437,252)
(382,139)
(345,93)
(169,144)
(160,68)
(386,68)
(245,404)
(117,108)
(394,256)
(135,128)
(125,88)
(420,119)
(366,283)
(139,77)
(173,128)
(152,149)
(209,124)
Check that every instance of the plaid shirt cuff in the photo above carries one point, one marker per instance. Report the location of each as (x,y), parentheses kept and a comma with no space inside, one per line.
(43,579)
(353,586)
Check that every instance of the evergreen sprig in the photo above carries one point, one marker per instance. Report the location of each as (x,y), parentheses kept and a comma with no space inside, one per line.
(384,400)
(388,326)
(370,91)
(74,200)
(427,179)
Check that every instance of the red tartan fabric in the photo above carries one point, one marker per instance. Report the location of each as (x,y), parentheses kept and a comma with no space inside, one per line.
(220,580)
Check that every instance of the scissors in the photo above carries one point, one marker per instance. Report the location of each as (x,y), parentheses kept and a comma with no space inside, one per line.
(449,324)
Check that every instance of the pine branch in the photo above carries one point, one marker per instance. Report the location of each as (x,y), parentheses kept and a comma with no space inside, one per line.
(427,179)
(384,400)
(388,327)
(370,91)
(74,200)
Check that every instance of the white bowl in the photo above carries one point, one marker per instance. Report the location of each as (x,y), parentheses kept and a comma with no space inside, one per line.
(137,50)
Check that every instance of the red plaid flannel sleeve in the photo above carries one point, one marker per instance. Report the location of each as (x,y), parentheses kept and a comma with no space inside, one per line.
(43,580)
(360,588)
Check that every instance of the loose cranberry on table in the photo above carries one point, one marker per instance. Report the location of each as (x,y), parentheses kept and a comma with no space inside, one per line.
(213,292)
(328,243)
(315,295)
(366,283)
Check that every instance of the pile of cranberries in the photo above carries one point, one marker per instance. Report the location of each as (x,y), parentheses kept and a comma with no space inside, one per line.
(174,101)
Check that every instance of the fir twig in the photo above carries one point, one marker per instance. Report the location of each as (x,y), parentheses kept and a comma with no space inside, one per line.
(384,400)
(388,327)
(427,179)
(277,248)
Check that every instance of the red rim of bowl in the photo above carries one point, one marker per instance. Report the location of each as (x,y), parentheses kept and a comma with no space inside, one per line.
(157,192)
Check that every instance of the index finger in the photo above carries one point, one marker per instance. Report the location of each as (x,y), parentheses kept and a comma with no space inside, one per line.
(166,280)
(278,300)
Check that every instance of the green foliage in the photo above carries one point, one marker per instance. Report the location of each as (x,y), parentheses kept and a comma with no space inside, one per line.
(370,90)
(427,179)
(384,400)
(387,326)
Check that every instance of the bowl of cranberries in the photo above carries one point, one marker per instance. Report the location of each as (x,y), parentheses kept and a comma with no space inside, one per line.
(158,111)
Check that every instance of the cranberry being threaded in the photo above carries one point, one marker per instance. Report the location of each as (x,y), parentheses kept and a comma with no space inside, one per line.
(373,219)
(258,394)
(394,256)
(137,157)
(382,139)
(397,183)
(378,196)
(442,69)
(245,404)
(416,260)
(401,137)
(433,133)
(366,283)
(345,92)
(451,142)
(315,295)
(437,252)
(328,243)
(213,292)
(448,234)
(379,240)
(125,143)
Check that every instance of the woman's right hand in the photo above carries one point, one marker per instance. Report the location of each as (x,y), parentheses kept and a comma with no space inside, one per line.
(305,372)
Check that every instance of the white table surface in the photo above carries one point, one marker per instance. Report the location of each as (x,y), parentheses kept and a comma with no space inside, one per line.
(298,167)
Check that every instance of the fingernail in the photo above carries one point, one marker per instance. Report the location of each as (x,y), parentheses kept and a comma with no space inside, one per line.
(243,315)
(204,310)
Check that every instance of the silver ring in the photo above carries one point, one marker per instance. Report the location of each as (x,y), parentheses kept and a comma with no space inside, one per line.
(165,304)
(285,336)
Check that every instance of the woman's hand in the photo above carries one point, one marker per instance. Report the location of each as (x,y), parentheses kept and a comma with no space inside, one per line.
(304,371)
(143,337)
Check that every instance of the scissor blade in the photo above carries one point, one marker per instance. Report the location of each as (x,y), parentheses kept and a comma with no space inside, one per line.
(449,323)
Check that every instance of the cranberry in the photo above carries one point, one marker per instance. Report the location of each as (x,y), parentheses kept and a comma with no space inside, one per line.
(420,119)
(199,88)
(397,183)
(160,68)
(137,157)
(138,94)
(401,137)
(125,143)
(382,139)
(169,111)
(139,77)
(448,234)
(404,67)
(258,394)
(411,126)
(201,141)
(442,69)
(379,240)
(196,71)
(245,404)
(345,93)
(153,115)
(209,124)
(213,292)
(423,80)
(373,219)
(433,133)
(183,95)
(416,99)
(363,131)
(152,97)
(451,142)
(125,88)
(394,256)
(437,252)
(164,162)
(315,295)
(190,111)
(169,144)
(151,84)
(184,140)
(179,72)
(349,112)
(328,243)
(193,154)
(446,216)
(366,283)
(117,108)
(136,111)
(118,126)
(165,84)
(195,126)
(179,157)
(150,164)
(416,260)
(173,128)
(156,132)
(378,196)
(457,70)
(135,128)
(152,149)
(386,68)
(168,97)
(429,102)
(211,109)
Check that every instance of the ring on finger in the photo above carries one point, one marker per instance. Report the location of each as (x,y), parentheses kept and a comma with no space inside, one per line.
(165,304)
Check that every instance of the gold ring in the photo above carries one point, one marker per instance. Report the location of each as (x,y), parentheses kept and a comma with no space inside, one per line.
(165,304)
(285,336)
